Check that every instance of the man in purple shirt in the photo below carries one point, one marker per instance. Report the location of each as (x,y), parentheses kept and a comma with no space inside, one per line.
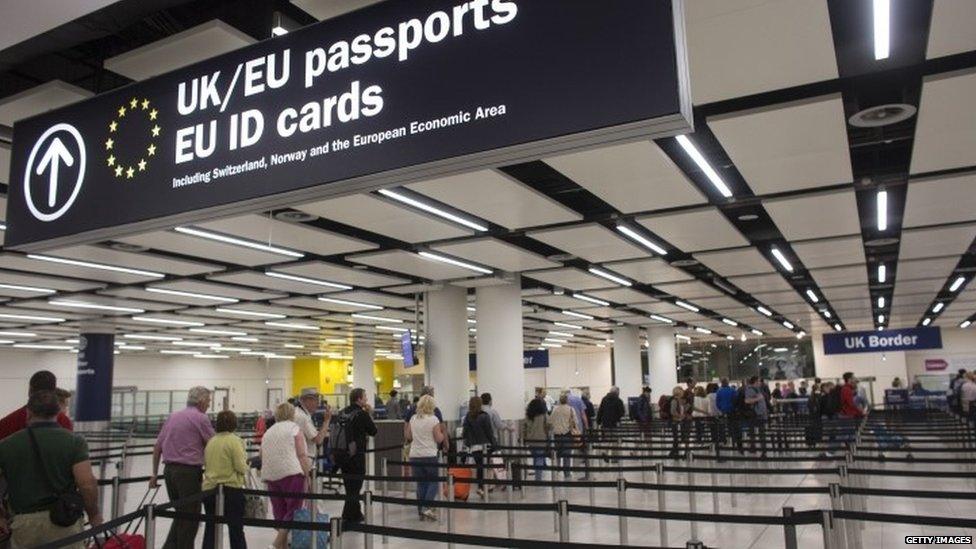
(180,444)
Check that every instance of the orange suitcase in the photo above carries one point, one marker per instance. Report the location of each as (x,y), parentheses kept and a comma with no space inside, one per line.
(461,489)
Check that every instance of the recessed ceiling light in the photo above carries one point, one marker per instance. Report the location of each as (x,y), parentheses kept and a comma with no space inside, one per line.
(350,303)
(210,356)
(18,334)
(566,325)
(730,322)
(926,321)
(420,205)
(214,331)
(881,319)
(208,344)
(965,324)
(882,210)
(663,319)
(293,346)
(244,312)
(150,337)
(610,276)
(826,313)
(764,310)
(838,327)
(702,330)
(641,239)
(455,262)
(704,166)
(748,217)
(132,347)
(390,328)
(882,29)
(292,325)
(377,318)
(757,332)
(881,302)
(789,325)
(32,289)
(688,306)
(91,265)
(166,321)
(938,307)
(595,301)
(957,283)
(177,352)
(30,318)
(782,259)
(562,334)
(682,337)
(882,273)
(226,239)
(43,347)
(812,295)
(577,315)
(194,295)
(246,339)
(306,280)
(95,306)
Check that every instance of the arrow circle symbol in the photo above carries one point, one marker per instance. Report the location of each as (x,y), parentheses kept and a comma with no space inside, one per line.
(56,154)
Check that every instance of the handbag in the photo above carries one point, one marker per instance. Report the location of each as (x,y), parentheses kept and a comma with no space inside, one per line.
(254,505)
(68,507)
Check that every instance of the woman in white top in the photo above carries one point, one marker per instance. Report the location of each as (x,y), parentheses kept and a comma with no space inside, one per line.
(699,412)
(284,466)
(425,435)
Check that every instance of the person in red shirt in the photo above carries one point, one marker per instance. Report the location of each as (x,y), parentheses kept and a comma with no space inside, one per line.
(848,393)
(17,420)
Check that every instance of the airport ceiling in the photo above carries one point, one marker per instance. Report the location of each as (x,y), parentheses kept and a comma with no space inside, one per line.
(776,217)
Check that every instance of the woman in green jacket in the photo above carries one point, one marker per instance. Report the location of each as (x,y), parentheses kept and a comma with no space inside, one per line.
(225,465)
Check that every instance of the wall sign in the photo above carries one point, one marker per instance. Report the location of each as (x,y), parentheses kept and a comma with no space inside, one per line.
(399,91)
(530,359)
(906,339)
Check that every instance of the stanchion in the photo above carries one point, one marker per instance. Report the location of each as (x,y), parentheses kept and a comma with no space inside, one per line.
(555,497)
(622,504)
(836,504)
(563,511)
(692,499)
(510,495)
(115,495)
(150,529)
(789,530)
(662,523)
(732,495)
(450,511)
(384,468)
(218,527)
(826,521)
(368,503)
(715,508)
(335,533)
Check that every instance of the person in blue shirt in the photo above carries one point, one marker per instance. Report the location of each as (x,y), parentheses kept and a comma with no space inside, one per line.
(725,402)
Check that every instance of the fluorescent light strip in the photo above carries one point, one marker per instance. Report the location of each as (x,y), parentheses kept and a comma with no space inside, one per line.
(882,29)
(213,331)
(390,328)
(132,347)
(234,349)
(764,311)
(208,344)
(957,284)
(826,313)
(584,297)
(813,296)
(965,323)
(730,322)
(350,303)
(938,307)
(561,334)
(291,325)
(610,276)
(789,325)
(688,306)
(30,318)
(194,295)
(757,332)
(663,319)
(211,356)
(882,273)
(293,346)
(702,330)
(432,209)
(306,280)
(703,164)
(278,30)
(166,321)
(246,339)
(338,341)
(455,262)
(42,347)
(577,315)
(838,327)
(642,240)
(32,289)
(881,319)
(192,231)
(554,340)
(882,210)
(95,306)
(90,265)
(926,321)
(18,334)
(682,337)
(552,345)
(377,318)
(566,325)
(881,302)
(782,259)
(148,337)
(244,312)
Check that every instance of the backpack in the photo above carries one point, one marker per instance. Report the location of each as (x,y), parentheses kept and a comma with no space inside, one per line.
(341,442)
(830,405)
(643,412)
(742,409)
(664,407)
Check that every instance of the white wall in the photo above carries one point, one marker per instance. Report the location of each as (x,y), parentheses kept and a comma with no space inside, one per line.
(245,377)
(958,349)
(572,368)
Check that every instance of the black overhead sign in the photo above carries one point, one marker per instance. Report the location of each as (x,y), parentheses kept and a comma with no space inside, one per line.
(393,93)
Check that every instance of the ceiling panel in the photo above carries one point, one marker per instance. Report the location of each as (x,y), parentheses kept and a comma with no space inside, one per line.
(480,282)
(690,290)
(35,280)
(718,303)
(830,252)
(943,138)
(926,268)
(498,198)
(4,175)
(741,47)
(815,216)
(199,247)
(761,283)
(929,285)
(321,270)
(327,9)
(40,99)
(788,146)
(840,276)
(495,253)
(694,231)
(778,298)
(407,289)
(592,242)
(621,295)
(951,30)
(940,200)
(649,271)
(222,290)
(600,312)
(411,264)
(196,44)
(24,264)
(558,301)
(633,177)
(260,280)
(143,261)
(97,300)
(735,262)
(375,298)
(923,243)
(382,217)
(841,293)
(289,235)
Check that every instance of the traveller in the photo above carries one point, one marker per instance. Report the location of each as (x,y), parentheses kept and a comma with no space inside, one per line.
(967,394)
(497,425)
(777,392)
(849,408)
(180,445)
(590,409)
(535,431)
(955,387)
(756,400)
(39,463)
(583,424)
(225,464)
(262,424)
(64,400)
(611,410)
(803,391)
(689,392)
(699,413)
(352,463)
(393,410)
(425,434)
(896,383)
(644,411)
(563,430)
(714,419)
(427,390)
(17,420)
(680,418)
(725,402)
(479,439)
(285,465)
(309,401)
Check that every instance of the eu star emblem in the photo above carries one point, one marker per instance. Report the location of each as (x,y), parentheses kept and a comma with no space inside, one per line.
(133,136)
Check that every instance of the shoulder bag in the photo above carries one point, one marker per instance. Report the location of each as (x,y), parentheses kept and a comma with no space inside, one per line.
(69,506)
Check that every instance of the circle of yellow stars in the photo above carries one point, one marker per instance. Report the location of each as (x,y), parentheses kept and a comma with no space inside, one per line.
(132,108)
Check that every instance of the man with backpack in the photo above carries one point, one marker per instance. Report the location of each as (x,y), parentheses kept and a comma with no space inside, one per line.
(756,411)
(348,436)
(644,412)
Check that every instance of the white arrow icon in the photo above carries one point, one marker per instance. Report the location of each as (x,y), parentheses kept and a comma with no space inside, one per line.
(55,154)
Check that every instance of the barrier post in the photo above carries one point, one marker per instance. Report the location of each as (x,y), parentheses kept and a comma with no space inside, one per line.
(732,496)
(715,508)
(335,533)
(563,512)
(510,496)
(150,529)
(101,489)
(383,509)
(115,496)
(450,510)
(662,523)
(368,503)
(555,497)
(692,499)
(826,521)
(836,504)
(622,504)
(789,530)
(218,527)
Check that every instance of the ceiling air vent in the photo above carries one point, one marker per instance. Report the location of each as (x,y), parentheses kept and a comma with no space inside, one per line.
(684,263)
(126,247)
(878,242)
(882,115)
(294,216)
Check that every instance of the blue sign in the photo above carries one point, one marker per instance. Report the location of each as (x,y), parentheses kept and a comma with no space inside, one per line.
(905,339)
(96,361)
(530,359)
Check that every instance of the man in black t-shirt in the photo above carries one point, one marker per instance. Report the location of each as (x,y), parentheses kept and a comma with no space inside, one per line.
(361,427)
